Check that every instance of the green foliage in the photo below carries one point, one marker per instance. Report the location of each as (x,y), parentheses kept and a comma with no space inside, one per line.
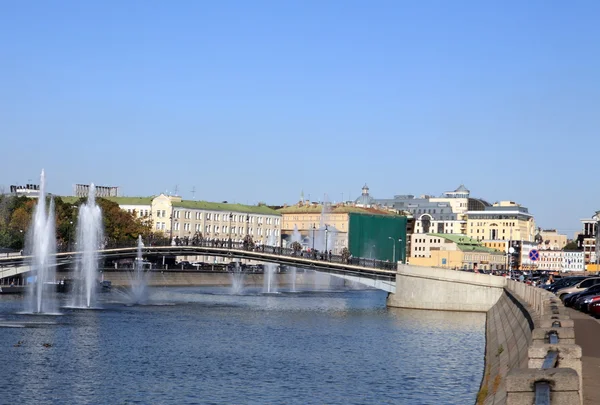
(120,225)
(572,245)
(296,247)
(16,214)
(345,255)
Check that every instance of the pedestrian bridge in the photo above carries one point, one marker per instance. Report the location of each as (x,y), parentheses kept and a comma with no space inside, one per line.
(372,273)
(408,286)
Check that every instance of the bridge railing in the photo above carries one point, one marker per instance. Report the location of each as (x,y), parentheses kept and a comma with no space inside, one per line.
(248,247)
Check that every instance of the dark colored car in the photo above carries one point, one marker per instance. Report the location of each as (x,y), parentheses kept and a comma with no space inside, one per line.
(573,299)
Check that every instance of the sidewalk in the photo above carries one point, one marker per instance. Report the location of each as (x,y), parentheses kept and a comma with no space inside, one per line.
(587,335)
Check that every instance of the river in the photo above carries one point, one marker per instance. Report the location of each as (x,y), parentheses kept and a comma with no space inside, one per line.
(206,346)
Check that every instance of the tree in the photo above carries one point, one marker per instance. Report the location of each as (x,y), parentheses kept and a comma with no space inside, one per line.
(120,225)
(345,255)
(248,242)
(572,245)
(296,247)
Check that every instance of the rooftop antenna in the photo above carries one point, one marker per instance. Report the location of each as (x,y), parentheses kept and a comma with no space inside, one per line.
(193,192)
(176,188)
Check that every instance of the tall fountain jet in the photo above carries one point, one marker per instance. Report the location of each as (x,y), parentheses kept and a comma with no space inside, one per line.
(89,239)
(139,278)
(41,242)
(270,272)
(296,237)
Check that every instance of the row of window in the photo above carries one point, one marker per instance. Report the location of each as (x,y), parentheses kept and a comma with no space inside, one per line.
(211,216)
(208,229)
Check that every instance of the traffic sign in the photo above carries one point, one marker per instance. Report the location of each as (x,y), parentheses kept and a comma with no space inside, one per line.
(534,255)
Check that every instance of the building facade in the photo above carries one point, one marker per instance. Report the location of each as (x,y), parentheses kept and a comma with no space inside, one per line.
(454,252)
(83,190)
(505,220)
(178,218)
(552,240)
(573,261)
(587,240)
(550,260)
(445,214)
(365,231)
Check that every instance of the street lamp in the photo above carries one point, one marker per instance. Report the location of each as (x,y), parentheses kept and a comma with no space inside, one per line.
(313,237)
(597,239)
(393,248)
(402,251)
(326,230)
(69,236)
(230,218)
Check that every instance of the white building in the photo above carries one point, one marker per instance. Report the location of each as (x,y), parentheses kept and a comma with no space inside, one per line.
(550,260)
(573,261)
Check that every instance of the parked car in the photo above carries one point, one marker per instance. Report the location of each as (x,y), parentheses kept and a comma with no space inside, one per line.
(582,303)
(565,282)
(571,300)
(594,308)
(580,286)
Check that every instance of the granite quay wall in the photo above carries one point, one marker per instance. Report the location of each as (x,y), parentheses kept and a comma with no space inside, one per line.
(442,289)
(191,278)
(517,342)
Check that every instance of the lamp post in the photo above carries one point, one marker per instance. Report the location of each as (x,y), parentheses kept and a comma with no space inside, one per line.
(326,230)
(230,218)
(402,251)
(597,239)
(69,236)
(313,237)
(393,248)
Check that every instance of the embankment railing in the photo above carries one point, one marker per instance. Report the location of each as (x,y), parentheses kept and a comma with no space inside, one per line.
(554,371)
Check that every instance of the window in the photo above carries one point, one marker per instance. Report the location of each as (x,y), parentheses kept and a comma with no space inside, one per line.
(164,214)
(176,226)
(197,215)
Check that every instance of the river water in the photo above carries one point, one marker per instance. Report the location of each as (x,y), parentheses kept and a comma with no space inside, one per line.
(205,346)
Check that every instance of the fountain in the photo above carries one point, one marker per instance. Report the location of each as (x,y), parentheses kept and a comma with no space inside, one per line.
(89,238)
(296,237)
(270,272)
(41,242)
(322,239)
(139,279)
(237,279)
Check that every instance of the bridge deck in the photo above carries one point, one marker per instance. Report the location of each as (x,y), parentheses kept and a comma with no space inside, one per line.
(358,269)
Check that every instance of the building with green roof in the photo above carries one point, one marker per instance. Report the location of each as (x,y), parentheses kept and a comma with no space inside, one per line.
(454,251)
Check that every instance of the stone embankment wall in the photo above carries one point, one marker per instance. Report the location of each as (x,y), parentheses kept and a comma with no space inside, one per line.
(516,344)
(192,278)
(508,336)
(447,290)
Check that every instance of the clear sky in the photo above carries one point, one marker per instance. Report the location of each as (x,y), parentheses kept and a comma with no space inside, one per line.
(253,101)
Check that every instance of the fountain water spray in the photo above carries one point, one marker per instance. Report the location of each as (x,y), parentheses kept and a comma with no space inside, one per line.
(270,281)
(139,279)
(237,279)
(296,237)
(41,242)
(89,240)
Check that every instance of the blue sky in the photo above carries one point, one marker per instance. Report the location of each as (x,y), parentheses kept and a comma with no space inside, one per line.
(257,101)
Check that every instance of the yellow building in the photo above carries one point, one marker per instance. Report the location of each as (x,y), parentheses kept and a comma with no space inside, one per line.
(505,220)
(454,251)
(552,240)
